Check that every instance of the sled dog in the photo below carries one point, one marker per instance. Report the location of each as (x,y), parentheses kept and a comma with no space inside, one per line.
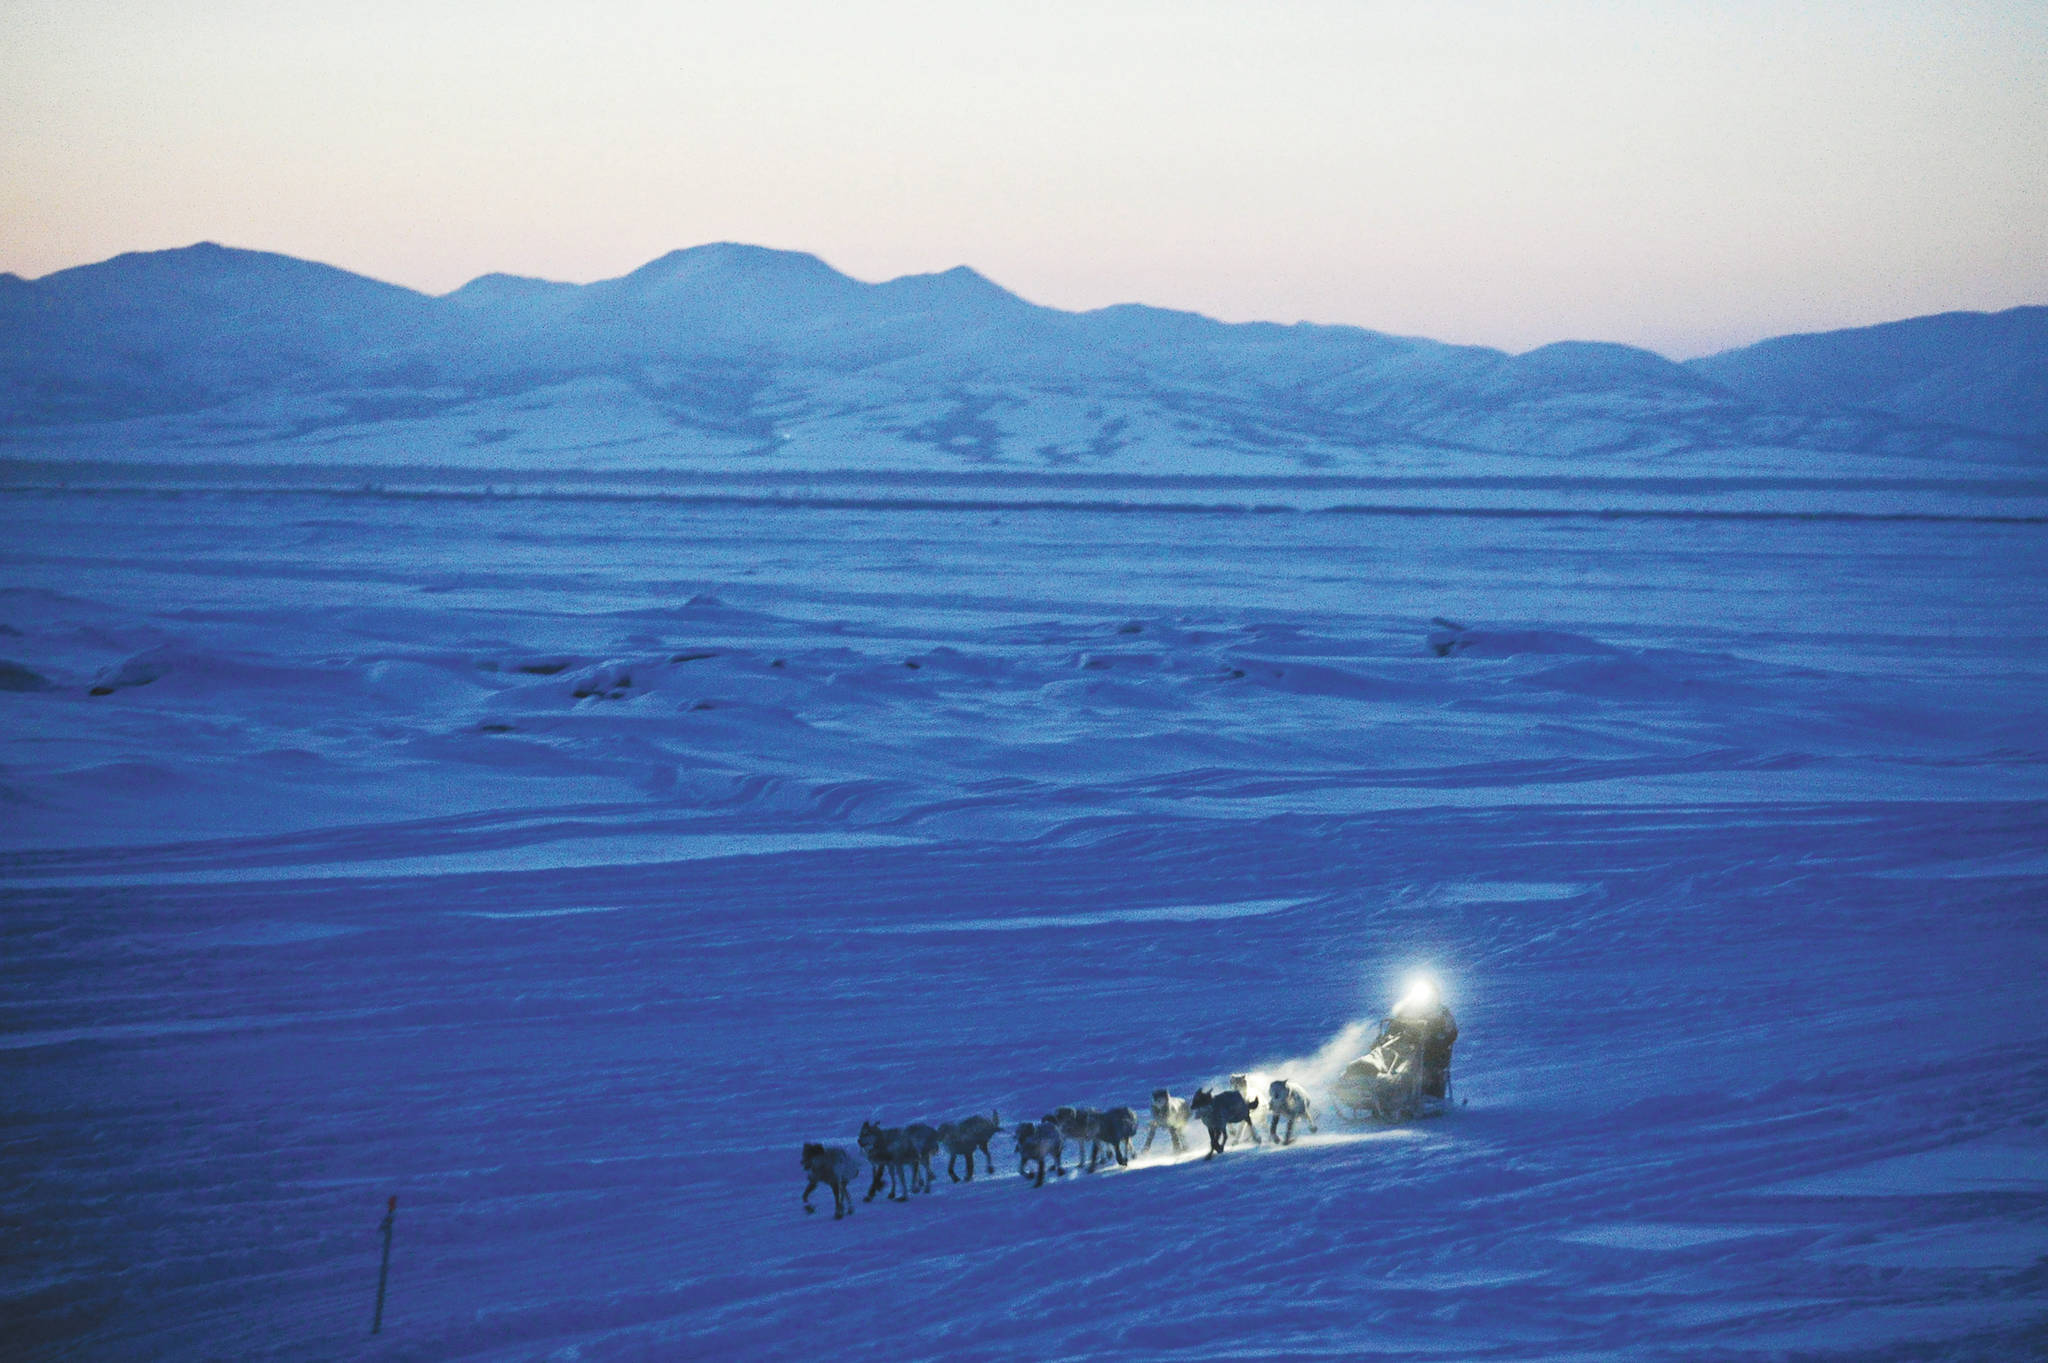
(1221,1111)
(1285,1099)
(1118,1129)
(1082,1126)
(835,1169)
(964,1137)
(1243,1084)
(894,1158)
(1169,1114)
(924,1139)
(1038,1144)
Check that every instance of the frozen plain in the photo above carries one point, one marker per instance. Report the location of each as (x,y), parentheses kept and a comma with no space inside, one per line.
(1724,833)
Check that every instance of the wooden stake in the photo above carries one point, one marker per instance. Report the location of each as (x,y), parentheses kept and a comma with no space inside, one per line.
(384,1269)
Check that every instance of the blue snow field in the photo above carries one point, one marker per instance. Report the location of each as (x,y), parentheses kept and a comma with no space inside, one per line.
(560,863)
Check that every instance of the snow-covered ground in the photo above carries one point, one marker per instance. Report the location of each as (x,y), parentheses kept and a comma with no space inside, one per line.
(560,863)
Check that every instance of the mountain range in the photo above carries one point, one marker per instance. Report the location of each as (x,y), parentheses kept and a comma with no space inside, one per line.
(739,356)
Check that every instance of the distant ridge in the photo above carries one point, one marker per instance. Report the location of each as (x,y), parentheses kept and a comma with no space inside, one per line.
(727,351)
(169,331)
(490,289)
(1986,370)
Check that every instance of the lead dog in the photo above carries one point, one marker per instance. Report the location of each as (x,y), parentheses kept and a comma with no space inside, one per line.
(1169,1114)
(1040,1143)
(1286,1100)
(835,1169)
(966,1136)
(1221,1111)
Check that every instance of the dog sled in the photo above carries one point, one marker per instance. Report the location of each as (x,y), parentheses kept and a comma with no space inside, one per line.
(1407,1072)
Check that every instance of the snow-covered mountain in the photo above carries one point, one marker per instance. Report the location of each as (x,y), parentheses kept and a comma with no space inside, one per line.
(730,356)
(1987,371)
(179,331)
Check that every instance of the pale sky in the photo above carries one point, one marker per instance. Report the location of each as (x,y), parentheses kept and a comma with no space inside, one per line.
(1686,176)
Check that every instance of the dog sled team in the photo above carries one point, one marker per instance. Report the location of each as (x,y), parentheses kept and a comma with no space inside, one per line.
(1406,1074)
(899,1158)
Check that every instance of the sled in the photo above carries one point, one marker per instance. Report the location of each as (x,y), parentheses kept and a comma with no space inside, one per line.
(1391,1082)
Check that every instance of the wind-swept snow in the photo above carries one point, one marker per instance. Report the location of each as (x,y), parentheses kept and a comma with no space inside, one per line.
(562,862)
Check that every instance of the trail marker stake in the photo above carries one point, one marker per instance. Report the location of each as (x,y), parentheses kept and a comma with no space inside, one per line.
(384,1269)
